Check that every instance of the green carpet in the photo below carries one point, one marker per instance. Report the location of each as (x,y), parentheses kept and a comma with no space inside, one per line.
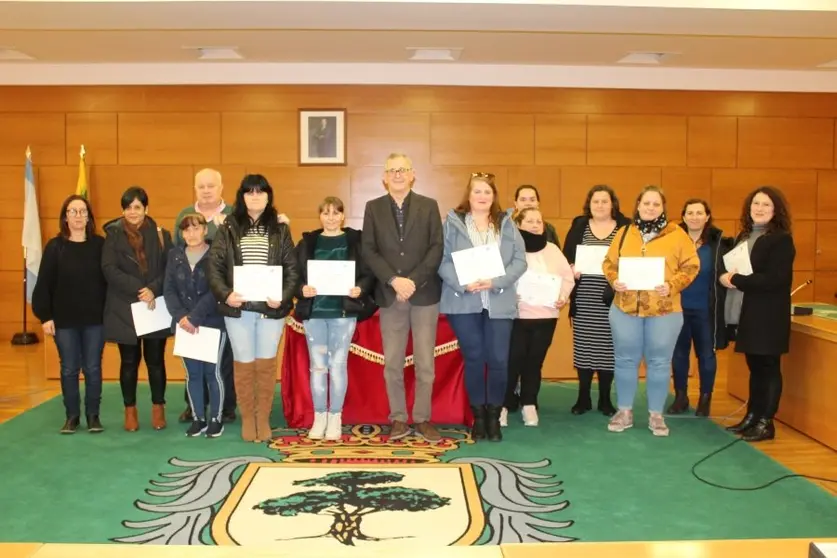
(605,486)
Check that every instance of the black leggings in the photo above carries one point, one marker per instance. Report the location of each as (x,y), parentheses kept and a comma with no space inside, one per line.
(155,363)
(765,384)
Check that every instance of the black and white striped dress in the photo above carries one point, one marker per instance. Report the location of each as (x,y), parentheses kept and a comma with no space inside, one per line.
(592,341)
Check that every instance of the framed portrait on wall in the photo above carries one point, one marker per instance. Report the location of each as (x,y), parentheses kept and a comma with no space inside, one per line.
(322,137)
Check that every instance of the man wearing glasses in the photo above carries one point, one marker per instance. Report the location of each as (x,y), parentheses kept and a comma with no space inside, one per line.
(402,244)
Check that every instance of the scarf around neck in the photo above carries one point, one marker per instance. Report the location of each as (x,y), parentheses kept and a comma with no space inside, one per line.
(135,240)
(534,242)
(652,226)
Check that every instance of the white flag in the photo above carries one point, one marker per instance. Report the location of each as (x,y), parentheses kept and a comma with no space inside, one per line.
(31,229)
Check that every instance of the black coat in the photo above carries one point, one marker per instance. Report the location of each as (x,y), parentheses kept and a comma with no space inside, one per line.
(362,307)
(718,245)
(225,254)
(574,237)
(125,280)
(187,292)
(764,325)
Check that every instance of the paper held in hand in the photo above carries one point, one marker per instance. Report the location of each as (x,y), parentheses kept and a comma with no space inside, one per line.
(589,259)
(257,283)
(331,277)
(642,274)
(478,263)
(738,260)
(148,321)
(202,345)
(539,289)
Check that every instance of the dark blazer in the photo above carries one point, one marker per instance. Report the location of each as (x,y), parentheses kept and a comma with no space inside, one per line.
(764,325)
(225,254)
(417,257)
(718,245)
(125,280)
(362,307)
(187,291)
(574,237)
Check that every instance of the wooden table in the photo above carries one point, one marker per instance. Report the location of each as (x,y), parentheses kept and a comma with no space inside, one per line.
(809,373)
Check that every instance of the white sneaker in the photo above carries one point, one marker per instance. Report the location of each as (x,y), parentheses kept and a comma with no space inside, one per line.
(334,430)
(504,417)
(530,415)
(319,427)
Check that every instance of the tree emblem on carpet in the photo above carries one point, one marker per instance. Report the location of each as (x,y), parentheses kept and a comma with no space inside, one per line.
(362,491)
(356,496)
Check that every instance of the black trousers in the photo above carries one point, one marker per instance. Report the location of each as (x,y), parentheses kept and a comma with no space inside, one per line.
(154,351)
(765,384)
(226,376)
(530,341)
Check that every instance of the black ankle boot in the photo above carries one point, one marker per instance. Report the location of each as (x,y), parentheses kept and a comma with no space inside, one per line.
(763,429)
(680,404)
(605,405)
(478,429)
(492,423)
(70,425)
(704,404)
(748,421)
(94,425)
(583,403)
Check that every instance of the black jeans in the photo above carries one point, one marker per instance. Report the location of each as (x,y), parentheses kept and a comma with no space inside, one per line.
(530,341)
(154,351)
(227,378)
(765,384)
(80,349)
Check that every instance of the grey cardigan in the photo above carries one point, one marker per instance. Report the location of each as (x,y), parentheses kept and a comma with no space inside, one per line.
(503,295)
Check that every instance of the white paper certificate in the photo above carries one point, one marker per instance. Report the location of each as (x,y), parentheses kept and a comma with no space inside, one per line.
(539,289)
(257,283)
(331,277)
(148,321)
(642,274)
(202,345)
(478,263)
(738,259)
(589,259)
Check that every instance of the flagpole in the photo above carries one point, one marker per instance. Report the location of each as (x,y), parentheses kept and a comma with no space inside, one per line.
(25,337)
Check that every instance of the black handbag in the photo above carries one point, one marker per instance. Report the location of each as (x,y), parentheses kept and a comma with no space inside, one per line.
(609,294)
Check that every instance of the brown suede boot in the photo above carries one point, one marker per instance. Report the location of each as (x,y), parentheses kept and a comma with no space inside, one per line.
(265,393)
(244,374)
(131,420)
(158,416)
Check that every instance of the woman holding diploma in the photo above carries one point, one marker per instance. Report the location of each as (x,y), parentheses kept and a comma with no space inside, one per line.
(534,327)
(592,231)
(648,264)
(482,310)
(134,264)
(330,320)
(192,305)
(250,244)
(760,305)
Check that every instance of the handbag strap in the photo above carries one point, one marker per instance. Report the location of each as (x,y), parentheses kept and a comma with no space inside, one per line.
(622,240)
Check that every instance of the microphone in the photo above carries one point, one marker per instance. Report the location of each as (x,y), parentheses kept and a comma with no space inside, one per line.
(802,310)
(802,286)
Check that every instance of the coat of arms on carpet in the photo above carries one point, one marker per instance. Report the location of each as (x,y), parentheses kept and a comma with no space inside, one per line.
(364,490)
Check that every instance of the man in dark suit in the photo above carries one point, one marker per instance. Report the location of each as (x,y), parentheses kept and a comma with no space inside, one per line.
(402,244)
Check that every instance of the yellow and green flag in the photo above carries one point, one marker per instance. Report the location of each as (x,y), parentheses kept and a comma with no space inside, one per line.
(82,188)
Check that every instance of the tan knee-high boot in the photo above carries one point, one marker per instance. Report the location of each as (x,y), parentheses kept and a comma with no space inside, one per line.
(245,377)
(265,392)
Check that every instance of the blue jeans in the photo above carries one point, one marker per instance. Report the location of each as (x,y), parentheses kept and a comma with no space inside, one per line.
(484,343)
(697,328)
(652,338)
(80,348)
(328,352)
(201,375)
(252,336)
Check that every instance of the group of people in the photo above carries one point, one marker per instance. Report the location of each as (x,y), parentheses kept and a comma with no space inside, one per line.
(405,271)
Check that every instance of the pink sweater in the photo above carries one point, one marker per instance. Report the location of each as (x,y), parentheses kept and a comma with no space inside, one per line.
(549,260)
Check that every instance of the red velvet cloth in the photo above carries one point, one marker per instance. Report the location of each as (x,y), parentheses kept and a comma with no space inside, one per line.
(366,397)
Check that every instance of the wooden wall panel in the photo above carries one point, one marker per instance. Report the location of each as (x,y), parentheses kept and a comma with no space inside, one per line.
(716,145)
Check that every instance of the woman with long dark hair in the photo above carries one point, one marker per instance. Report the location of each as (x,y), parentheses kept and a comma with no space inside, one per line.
(253,235)
(69,300)
(759,305)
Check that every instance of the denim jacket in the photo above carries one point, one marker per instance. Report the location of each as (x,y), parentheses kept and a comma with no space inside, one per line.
(503,295)
(187,291)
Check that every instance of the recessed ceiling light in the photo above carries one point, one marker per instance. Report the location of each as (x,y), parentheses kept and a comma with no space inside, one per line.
(216,53)
(435,54)
(832,64)
(648,58)
(9,53)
